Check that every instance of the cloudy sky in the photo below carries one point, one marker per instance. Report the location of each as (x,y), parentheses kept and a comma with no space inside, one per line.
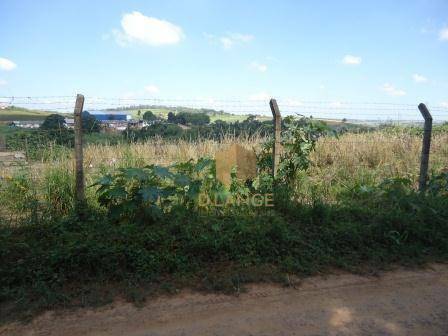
(346,50)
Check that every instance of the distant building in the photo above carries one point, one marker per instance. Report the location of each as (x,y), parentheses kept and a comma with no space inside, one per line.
(138,124)
(70,123)
(26,124)
(111,116)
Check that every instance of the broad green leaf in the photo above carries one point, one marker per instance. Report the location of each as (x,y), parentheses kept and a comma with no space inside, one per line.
(116,192)
(136,173)
(150,193)
(161,172)
(181,180)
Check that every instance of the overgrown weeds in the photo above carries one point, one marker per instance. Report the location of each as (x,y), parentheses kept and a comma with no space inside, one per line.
(145,231)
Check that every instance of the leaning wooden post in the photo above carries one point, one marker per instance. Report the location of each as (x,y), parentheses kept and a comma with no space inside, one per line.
(277,136)
(79,164)
(425,146)
(3,142)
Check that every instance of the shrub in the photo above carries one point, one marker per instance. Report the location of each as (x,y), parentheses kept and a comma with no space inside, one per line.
(89,123)
(143,194)
(149,116)
(53,122)
(298,140)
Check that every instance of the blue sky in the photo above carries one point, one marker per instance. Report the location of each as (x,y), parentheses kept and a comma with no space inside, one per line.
(357,51)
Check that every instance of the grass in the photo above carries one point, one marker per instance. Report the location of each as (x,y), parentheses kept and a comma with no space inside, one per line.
(343,215)
(14,113)
(338,163)
(62,263)
(224,116)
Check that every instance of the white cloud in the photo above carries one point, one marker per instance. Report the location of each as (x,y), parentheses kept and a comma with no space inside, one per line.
(138,28)
(242,37)
(229,40)
(258,66)
(419,78)
(260,96)
(3,82)
(443,34)
(351,60)
(152,89)
(444,104)
(6,64)
(392,91)
(226,42)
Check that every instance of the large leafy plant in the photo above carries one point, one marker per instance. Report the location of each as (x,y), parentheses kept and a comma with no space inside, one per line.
(143,194)
(438,184)
(298,140)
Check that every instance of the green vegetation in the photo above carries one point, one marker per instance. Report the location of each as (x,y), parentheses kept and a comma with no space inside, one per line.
(188,118)
(53,122)
(145,231)
(163,111)
(149,116)
(13,113)
(50,261)
(52,136)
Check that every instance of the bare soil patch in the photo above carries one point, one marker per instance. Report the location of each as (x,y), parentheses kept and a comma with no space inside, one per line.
(402,302)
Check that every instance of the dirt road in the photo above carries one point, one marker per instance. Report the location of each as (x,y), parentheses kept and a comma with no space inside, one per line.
(396,303)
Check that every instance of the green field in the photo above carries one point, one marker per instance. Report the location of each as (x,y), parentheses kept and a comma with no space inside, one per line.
(162,112)
(14,113)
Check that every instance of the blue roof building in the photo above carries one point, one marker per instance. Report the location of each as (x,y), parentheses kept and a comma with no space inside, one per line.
(105,116)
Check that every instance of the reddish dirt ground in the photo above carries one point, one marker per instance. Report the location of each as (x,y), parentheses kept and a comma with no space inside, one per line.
(401,302)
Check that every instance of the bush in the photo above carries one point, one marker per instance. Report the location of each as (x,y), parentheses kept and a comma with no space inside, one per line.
(149,230)
(145,194)
(53,262)
(189,118)
(53,122)
(89,123)
(168,131)
(149,116)
(41,144)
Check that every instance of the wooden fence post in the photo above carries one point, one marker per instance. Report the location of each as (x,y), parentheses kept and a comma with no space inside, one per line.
(425,147)
(277,136)
(79,164)
(2,142)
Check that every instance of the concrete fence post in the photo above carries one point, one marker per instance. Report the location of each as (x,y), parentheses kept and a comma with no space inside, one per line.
(426,146)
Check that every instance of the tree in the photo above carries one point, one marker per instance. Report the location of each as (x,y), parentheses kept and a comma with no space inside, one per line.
(171,117)
(149,116)
(53,122)
(185,118)
(251,118)
(89,123)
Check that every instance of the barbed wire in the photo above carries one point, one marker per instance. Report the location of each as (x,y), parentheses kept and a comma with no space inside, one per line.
(212,100)
(349,110)
(283,101)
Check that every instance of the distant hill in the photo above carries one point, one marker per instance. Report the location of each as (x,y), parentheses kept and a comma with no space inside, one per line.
(13,113)
(162,111)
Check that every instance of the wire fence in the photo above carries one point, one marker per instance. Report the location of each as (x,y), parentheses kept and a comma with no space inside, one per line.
(351,152)
(362,112)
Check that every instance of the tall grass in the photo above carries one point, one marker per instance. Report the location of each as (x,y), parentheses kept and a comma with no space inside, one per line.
(337,224)
(338,164)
